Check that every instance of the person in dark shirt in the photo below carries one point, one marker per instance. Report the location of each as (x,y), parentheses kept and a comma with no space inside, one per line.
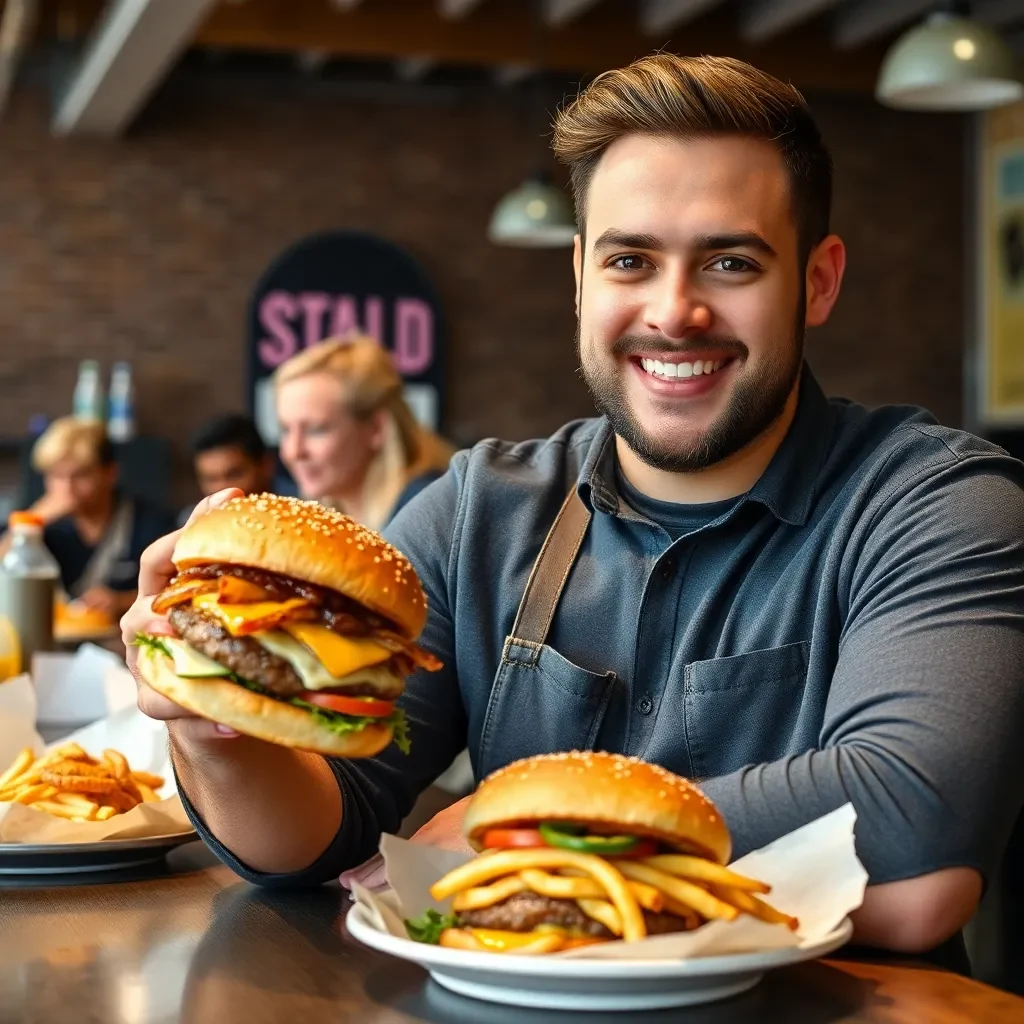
(229,452)
(794,600)
(95,532)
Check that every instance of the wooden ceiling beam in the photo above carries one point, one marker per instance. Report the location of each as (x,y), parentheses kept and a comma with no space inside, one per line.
(504,32)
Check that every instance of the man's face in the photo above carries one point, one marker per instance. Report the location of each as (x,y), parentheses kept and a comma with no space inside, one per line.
(690,296)
(81,487)
(218,468)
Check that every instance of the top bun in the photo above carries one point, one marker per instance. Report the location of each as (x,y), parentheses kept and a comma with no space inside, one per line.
(307,541)
(606,791)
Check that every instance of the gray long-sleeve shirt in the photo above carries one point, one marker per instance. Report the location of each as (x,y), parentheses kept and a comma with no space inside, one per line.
(850,629)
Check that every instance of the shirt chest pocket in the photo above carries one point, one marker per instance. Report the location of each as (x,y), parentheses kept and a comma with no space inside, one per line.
(540,702)
(746,709)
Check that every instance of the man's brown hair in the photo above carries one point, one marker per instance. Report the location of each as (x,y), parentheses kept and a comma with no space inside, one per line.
(699,97)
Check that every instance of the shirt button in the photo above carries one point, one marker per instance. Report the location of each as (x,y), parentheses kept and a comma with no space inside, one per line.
(645,705)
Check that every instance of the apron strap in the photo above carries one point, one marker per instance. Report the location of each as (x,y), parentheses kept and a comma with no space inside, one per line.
(550,572)
(112,546)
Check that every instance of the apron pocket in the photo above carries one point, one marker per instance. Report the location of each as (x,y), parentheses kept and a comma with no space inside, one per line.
(540,703)
(744,709)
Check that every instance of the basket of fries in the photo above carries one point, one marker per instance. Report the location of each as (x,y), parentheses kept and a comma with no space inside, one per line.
(110,780)
(72,784)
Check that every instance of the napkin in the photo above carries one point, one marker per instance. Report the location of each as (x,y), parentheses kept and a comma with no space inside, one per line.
(813,871)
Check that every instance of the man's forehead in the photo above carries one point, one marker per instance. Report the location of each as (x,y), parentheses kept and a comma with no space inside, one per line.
(721,179)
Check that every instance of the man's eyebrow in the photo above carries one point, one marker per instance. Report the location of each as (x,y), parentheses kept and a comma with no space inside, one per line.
(734,240)
(613,238)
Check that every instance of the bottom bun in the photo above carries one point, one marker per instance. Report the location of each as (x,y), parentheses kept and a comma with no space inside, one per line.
(252,714)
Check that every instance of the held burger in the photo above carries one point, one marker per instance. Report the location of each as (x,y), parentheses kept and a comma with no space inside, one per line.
(294,625)
(586,847)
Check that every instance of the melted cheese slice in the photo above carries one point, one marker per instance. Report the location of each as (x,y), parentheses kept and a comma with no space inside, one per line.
(312,671)
(340,655)
(235,617)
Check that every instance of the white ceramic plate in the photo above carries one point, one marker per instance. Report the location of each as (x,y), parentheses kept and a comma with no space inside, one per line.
(555,983)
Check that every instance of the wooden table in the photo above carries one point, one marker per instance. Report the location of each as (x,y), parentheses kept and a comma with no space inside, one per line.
(194,944)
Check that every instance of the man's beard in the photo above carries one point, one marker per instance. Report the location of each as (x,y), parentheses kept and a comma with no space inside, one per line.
(758,400)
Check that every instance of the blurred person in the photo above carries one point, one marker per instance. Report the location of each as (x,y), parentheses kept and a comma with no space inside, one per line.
(347,436)
(96,533)
(229,452)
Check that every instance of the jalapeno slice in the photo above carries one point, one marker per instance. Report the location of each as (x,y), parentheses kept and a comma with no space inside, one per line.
(575,838)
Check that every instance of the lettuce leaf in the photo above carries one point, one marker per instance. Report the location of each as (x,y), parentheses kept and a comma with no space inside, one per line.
(331,720)
(429,925)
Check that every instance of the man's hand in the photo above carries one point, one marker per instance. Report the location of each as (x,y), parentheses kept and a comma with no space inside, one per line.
(444,830)
(155,572)
(55,503)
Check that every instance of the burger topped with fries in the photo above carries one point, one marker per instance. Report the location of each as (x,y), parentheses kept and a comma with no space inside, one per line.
(294,625)
(585,847)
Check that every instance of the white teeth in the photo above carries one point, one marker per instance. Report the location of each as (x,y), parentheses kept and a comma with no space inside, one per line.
(669,371)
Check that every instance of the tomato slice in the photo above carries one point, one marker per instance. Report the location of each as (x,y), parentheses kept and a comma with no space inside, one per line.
(357,706)
(512,838)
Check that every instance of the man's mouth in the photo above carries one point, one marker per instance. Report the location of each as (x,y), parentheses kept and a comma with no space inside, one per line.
(678,368)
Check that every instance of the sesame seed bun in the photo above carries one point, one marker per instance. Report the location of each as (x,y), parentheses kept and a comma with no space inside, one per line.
(608,792)
(252,714)
(307,541)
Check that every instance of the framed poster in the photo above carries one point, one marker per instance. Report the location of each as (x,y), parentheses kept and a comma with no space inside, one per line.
(1000,343)
(344,282)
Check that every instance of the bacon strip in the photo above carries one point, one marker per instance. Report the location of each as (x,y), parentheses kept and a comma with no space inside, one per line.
(181,591)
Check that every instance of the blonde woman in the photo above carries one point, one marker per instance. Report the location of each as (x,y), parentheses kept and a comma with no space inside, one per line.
(347,436)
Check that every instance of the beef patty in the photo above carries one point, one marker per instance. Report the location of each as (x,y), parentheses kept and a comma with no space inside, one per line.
(253,662)
(523,911)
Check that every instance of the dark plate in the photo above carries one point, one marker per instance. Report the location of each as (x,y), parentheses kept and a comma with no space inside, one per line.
(23,859)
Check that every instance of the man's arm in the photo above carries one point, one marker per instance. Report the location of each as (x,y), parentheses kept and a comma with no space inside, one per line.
(924,724)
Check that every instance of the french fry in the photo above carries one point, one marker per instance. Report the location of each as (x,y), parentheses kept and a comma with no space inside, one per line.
(576,888)
(33,792)
(483,896)
(506,862)
(685,892)
(82,804)
(647,896)
(148,779)
(103,813)
(21,764)
(57,810)
(704,871)
(755,907)
(148,796)
(604,913)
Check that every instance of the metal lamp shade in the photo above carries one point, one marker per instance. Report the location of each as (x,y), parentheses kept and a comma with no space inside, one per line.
(534,215)
(948,63)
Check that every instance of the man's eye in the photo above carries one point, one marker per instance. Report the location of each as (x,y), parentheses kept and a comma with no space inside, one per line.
(732,264)
(629,263)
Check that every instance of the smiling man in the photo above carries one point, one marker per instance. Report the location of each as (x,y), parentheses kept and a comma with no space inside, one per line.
(794,600)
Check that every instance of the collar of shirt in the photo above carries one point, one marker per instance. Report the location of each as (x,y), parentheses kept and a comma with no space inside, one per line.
(786,488)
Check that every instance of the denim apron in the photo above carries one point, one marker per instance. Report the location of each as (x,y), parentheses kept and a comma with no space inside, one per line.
(541,702)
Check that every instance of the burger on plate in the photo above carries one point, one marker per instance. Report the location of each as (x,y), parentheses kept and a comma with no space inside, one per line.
(294,624)
(586,847)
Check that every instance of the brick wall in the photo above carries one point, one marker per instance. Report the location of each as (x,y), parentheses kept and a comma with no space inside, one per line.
(146,248)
